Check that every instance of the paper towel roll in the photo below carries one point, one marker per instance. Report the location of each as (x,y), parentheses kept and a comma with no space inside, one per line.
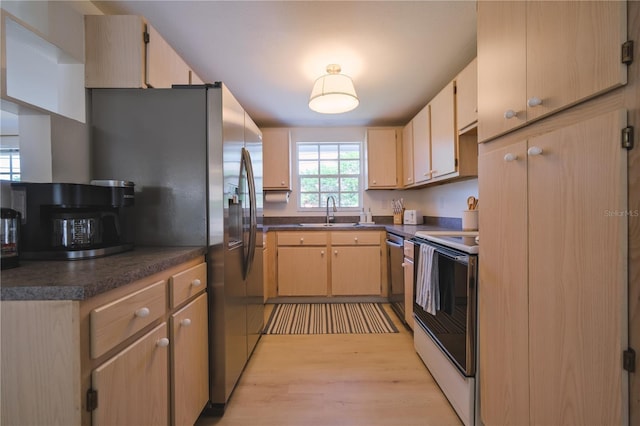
(277,197)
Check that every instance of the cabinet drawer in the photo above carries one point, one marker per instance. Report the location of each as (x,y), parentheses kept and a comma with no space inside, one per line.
(302,238)
(112,323)
(187,283)
(350,238)
(408,249)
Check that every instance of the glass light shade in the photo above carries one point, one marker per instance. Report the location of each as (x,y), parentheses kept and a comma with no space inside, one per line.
(332,94)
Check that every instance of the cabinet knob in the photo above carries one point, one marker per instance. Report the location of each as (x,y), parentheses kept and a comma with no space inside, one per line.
(321,252)
(335,252)
(163,343)
(355,239)
(196,282)
(142,312)
(508,114)
(301,240)
(534,102)
(510,157)
(282,183)
(404,265)
(185,322)
(534,150)
(408,179)
(430,172)
(374,182)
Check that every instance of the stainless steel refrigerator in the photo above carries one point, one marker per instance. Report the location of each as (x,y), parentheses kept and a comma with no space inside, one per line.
(195,157)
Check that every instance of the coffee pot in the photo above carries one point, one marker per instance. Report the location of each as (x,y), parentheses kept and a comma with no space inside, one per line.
(9,238)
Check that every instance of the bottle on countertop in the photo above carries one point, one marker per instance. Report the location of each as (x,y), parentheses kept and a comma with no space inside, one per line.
(363,216)
(369,216)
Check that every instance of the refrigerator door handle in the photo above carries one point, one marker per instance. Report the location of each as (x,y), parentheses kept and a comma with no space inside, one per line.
(246,159)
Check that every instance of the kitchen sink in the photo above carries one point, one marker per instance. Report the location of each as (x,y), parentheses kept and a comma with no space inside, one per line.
(329,225)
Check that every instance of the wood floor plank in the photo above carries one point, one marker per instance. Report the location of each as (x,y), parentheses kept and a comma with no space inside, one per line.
(339,379)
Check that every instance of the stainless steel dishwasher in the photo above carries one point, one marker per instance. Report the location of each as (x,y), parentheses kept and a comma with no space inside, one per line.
(395,256)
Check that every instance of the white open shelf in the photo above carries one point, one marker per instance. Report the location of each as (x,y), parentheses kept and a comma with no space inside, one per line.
(40,74)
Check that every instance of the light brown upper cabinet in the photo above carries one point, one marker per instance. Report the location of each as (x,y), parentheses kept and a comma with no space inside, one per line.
(407,155)
(536,58)
(276,159)
(422,146)
(443,133)
(125,51)
(382,158)
(467,97)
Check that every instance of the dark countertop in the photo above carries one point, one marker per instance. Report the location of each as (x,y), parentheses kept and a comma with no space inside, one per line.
(82,279)
(406,231)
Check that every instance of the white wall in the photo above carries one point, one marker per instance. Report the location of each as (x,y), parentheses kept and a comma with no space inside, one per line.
(447,200)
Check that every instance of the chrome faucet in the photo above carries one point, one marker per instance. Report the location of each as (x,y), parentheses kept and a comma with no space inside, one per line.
(332,217)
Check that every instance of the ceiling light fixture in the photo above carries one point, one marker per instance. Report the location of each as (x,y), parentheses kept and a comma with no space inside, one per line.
(333,93)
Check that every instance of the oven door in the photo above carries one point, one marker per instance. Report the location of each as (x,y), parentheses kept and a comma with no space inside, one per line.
(453,327)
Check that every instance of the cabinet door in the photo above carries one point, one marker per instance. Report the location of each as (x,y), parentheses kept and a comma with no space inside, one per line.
(422,146)
(467,96)
(381,158)
(355,271)
(408,268)
(407,154)
(302,271)
(573,51)
(190,361)
(501,66)
(276,160)
(503,321)
(443,133)
(577,273)
(164,66)
(114,51)
(133,386)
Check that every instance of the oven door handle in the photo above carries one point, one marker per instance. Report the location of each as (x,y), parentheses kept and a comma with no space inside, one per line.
(451,254)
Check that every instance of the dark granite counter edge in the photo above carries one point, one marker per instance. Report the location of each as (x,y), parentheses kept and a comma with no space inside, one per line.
(80,280)
(382,223)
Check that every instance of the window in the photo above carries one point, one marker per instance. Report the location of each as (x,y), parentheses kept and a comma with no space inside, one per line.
(10,164)
(326,169)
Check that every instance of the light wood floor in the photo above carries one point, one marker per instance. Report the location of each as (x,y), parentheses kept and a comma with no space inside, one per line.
(326,380)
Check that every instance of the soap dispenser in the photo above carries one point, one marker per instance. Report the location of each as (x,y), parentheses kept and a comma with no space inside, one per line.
(369,216)
(363,216)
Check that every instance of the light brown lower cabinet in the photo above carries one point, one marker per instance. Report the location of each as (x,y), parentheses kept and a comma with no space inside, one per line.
(190,361)
(355,271)
(302,271)
(338,263)
(407,269)
(132,387)
(356,263)
(149,374)
(552,302)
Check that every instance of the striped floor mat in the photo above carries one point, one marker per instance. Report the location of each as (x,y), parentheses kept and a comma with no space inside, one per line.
(329,318)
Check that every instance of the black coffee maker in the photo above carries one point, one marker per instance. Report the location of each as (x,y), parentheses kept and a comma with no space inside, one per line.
(74,221)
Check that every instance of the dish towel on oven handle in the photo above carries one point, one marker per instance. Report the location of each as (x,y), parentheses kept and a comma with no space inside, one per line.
(427,291)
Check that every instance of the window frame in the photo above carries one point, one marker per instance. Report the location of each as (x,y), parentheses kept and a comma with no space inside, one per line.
(360,175)
(13,155)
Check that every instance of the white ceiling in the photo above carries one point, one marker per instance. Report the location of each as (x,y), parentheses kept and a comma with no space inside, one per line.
(269,53)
